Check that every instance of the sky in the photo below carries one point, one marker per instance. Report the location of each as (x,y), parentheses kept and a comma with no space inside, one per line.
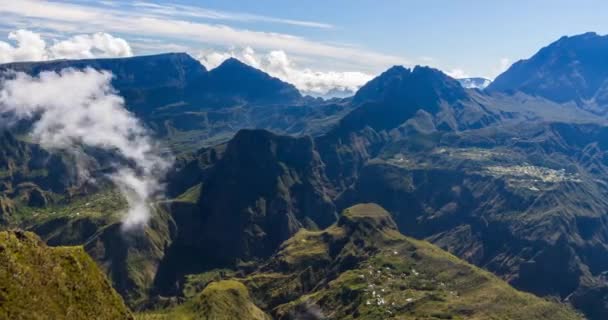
(317,45)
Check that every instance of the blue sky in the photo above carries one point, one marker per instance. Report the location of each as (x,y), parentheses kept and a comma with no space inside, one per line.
(463,38)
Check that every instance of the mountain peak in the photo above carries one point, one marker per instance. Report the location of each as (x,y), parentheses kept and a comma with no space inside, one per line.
(235,63)
(367,216)
(253,86)
(572,68)
(396,69)
(420,83)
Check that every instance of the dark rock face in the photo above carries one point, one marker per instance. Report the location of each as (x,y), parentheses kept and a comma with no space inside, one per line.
(27,172)
(260,191)
(570,69)
(37,198)
(263,190)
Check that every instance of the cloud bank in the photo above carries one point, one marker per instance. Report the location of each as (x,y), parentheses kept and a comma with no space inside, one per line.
(29,46)
(278,64)
(77,109)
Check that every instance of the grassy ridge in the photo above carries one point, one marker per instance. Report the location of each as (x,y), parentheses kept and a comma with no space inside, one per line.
(40,282)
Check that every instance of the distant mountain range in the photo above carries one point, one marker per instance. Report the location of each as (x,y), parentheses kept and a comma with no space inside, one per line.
(572,69)
(275,204)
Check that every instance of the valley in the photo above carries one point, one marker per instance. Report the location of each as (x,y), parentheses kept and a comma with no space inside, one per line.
(417,198)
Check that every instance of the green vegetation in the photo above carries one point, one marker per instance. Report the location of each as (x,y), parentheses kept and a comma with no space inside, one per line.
(221,300)
(40,282)
(191,195)
(195,283)
(106,204)
(359,268)
(381,274)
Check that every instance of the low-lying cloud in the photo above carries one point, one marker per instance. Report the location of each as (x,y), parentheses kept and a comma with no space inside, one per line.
(75,110)
(30,46)
(278,64)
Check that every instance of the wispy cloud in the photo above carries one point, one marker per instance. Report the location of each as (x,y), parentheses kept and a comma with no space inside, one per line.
(175,10)
(76,110)
(72,17)
(457,73)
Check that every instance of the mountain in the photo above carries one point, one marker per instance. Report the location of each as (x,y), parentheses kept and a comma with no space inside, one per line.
(151,82)
(362,267)
(40,282)
(400,94)
(146,82)
(399,100)
(191,107)
(474,83)
(254,86)
(421,85)
(263,189)
(260,190)
(509,181)
(570,69)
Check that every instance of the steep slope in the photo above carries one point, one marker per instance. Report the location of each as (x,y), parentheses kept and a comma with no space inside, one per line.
(264,189)
(40,282)
(570,69)
(261,191)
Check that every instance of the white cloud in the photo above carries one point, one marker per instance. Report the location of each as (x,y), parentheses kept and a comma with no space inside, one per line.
(29,46)
(61,16)
(278,64)
(76,109)
(457,73)
(98,45)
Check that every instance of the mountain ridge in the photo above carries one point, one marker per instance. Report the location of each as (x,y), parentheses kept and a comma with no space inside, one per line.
(571,69)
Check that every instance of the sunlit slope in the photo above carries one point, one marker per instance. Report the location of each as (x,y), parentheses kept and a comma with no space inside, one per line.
(40,282)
